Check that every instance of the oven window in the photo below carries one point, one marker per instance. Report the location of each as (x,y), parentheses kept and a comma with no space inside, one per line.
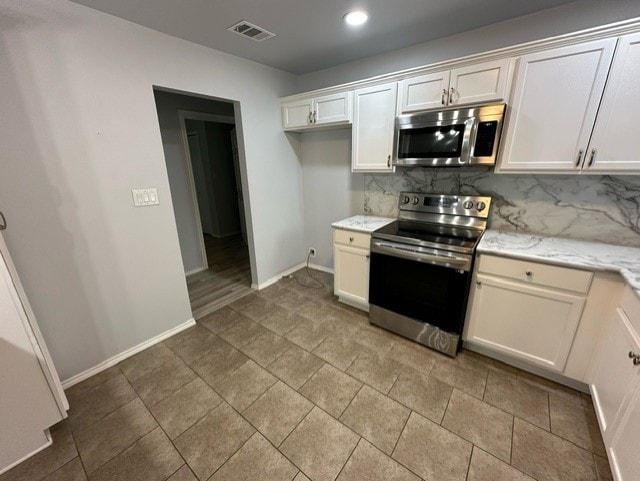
(431,142)
(426,292)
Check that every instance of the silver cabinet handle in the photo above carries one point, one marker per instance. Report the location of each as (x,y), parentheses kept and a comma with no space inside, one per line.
(388,161)
(444,97)
(310,119)
(3,221)
(452,92)
(579,159)
(315,117)
(592,159)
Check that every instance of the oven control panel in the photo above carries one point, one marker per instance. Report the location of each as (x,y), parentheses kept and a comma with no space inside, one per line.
(458,205)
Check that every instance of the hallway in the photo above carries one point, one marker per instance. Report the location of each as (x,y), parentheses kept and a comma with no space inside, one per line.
(228,277)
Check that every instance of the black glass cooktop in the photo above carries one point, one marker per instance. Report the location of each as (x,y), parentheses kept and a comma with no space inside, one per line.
(419,232)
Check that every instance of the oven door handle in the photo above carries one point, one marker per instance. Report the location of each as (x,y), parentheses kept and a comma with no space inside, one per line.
(406,252)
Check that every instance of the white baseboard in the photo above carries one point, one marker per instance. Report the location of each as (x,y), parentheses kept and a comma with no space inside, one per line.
(104,365)
(321,268)
(276,278)
(195,271)
(289,271)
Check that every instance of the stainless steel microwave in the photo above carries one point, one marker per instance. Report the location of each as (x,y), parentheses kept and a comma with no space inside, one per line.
(449,138)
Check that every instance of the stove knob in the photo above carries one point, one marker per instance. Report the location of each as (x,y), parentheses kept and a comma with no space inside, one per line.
(405,199)
(415,200)
(467,204)
(480,206)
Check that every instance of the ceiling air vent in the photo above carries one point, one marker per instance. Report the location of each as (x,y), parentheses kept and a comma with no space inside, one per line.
(247,29)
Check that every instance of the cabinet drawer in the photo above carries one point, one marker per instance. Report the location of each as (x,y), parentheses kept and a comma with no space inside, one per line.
(536,273)
(351,238)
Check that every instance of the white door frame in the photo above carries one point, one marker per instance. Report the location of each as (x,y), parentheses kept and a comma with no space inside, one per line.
(191,115)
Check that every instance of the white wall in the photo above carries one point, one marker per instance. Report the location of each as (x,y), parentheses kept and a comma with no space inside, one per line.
(331,191)
(78,131)
(547,23)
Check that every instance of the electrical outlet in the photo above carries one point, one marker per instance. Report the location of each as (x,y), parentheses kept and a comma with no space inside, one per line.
(312,251)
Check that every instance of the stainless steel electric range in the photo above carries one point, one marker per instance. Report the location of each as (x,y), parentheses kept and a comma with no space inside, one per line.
(421,267)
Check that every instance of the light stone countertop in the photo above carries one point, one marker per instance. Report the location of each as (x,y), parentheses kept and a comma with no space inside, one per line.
(568,252)
(363,223)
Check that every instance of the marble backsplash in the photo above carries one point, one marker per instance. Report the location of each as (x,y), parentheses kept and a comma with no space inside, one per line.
(596,208)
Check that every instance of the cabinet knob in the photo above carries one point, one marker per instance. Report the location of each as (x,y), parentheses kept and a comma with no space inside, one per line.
(367,256)
(528,273)
(635,357)
(478,283)
(350,239)
(3,221)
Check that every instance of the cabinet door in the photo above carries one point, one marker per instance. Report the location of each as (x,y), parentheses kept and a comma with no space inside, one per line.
(27,398)
(623,452)
(555,100)
(524,321)
(424,92)
(335,108)
(614,143)
(352,273)
(297,114)
(373,123)
(484,82)
(615,374)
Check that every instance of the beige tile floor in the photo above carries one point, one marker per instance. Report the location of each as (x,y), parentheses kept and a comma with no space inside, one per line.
(288,384)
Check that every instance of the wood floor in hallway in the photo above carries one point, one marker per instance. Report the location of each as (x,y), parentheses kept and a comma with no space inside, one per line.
(227,279)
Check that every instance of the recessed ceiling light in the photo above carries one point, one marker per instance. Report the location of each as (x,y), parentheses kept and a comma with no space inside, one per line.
(356,18)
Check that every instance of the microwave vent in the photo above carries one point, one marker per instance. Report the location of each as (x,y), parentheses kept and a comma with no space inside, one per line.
(252,31)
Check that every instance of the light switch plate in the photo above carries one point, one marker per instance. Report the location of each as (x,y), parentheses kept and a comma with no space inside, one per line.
(144,197)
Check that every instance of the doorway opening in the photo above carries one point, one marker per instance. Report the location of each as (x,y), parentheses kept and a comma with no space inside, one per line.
(200,141)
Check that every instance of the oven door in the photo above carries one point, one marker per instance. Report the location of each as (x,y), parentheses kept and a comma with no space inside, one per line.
(437,143)
(421,299)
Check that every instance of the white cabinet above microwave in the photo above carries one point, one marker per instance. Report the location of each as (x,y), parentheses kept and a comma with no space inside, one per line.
(479,83)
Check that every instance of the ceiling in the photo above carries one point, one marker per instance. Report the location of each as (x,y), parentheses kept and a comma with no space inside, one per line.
(310,34)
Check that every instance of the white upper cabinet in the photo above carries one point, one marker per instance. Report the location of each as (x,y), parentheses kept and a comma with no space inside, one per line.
(373,123)
(297,114)
(483,82)
(555,100)
(424,92)
(332,109)
(614,143)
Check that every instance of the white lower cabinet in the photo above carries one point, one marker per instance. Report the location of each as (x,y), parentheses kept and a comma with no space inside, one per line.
(351,267)
(526,311)
(615,387)
(525,321)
